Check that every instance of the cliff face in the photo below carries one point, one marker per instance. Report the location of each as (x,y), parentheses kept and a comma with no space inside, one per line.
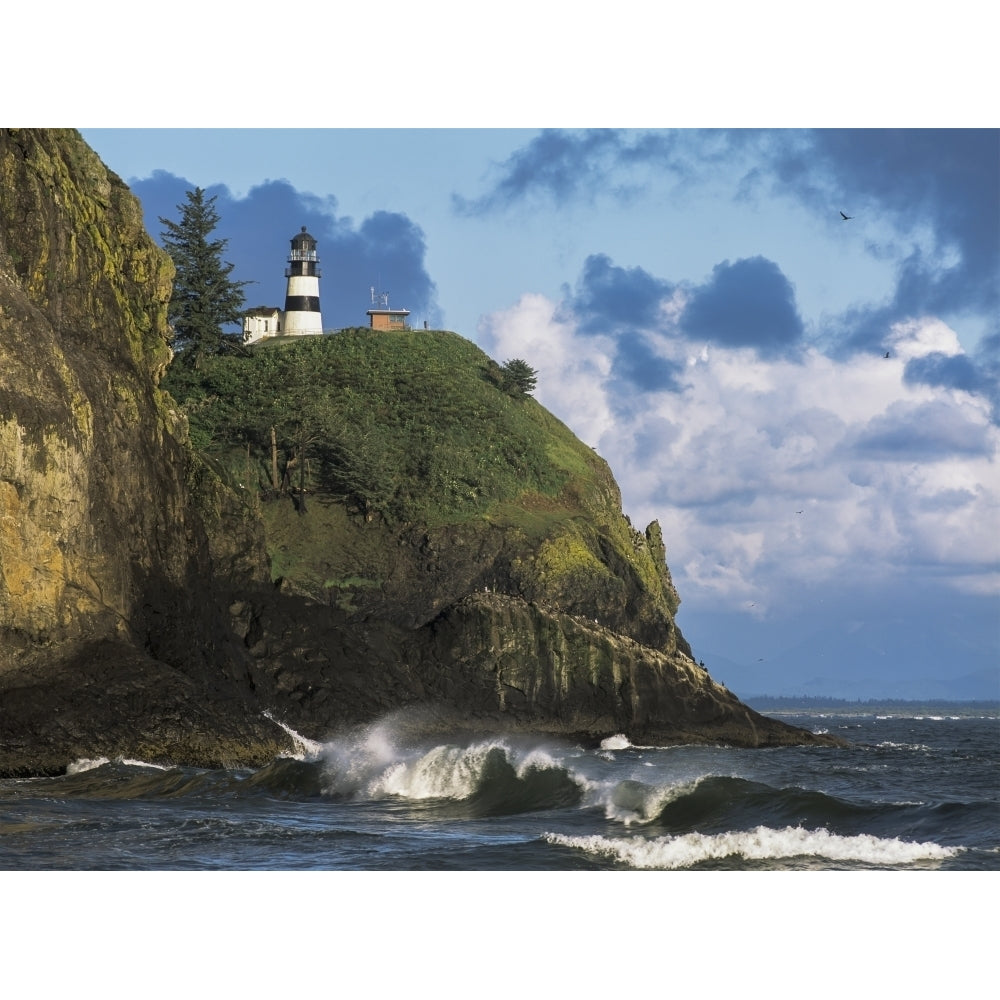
(103,559)
(137,614)
(82,317)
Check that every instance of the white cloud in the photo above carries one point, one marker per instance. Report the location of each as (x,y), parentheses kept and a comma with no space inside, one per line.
(768,475)
(575,371)
(918,338)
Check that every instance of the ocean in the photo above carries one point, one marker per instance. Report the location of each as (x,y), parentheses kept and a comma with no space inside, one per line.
(912,792)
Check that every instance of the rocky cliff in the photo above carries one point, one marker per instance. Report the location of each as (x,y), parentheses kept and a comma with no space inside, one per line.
(141,612)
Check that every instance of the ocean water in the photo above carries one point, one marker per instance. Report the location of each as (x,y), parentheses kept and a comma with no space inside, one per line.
(910,793)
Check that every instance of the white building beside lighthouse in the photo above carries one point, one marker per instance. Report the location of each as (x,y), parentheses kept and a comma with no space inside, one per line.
(301,315)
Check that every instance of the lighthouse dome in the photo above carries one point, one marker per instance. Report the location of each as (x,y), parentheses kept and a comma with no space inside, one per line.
(303,241)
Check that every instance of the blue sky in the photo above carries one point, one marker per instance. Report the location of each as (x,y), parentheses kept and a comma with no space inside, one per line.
(699,312)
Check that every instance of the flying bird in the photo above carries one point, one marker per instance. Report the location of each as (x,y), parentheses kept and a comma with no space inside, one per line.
(886,354)
(846,218)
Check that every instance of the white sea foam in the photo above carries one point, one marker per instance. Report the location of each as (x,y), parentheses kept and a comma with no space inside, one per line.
(305,749)
(617,742)
(89,763)
(762,843)
(86,764)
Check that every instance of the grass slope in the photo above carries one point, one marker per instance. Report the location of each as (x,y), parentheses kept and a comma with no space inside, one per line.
(403,428)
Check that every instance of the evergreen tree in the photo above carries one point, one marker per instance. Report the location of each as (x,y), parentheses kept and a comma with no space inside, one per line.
(204,298)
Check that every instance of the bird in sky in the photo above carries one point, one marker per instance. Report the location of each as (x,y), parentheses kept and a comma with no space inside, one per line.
(846,218)
(886,354)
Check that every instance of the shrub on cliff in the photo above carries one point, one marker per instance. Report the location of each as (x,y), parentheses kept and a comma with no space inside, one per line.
(518,378)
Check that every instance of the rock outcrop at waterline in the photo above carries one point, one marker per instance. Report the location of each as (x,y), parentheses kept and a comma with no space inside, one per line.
(138,616)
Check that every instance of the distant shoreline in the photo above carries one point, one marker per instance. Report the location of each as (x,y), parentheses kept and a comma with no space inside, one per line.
(768,705)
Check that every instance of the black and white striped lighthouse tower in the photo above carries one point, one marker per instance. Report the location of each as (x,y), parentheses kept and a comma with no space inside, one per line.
(302,314)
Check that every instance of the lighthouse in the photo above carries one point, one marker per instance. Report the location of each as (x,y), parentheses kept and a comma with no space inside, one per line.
(302,314)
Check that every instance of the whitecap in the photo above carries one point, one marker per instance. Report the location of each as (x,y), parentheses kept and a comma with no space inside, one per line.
(616,742)
(445,772)
(86,764)
(762,843)
(89,763)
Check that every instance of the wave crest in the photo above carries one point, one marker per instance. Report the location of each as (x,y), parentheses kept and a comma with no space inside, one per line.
(760,844)
(492,777)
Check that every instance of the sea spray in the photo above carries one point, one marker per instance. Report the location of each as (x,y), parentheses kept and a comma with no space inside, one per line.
(355,762)
(490,777)
(445,772)
(86,764)
(629,801)
(304,747)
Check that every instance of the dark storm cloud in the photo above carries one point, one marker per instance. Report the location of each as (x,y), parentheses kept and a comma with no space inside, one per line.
(608,296)
(564,164)
(749,303)
(930,431)
(387,251)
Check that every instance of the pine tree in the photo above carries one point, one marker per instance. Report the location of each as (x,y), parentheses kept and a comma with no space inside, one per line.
(204,298)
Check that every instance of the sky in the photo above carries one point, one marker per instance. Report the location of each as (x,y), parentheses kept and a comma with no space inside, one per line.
(807,404)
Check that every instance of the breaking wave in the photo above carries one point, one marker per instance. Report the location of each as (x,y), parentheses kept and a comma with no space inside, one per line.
(492,776)
(618,742)
(408,792)
(760,844)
